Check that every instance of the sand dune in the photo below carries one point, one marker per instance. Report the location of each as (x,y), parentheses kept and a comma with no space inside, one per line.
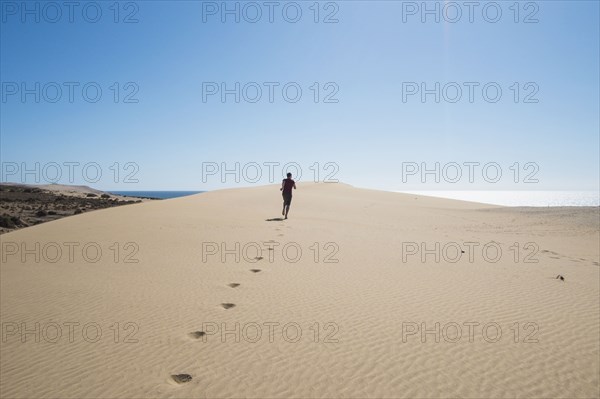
(345,299)
(65,189)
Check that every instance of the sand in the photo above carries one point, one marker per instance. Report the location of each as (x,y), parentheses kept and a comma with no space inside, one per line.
(523,332)
(25,205)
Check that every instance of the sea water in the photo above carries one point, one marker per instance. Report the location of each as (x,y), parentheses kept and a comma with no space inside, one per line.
(156,194)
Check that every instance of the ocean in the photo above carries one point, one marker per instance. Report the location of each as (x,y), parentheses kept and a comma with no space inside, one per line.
(156,194)
(520,198)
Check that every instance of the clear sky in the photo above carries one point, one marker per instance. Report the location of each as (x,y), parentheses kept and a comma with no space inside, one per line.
(170,128)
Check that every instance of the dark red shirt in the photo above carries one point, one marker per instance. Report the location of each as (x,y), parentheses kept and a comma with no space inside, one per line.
(288,184)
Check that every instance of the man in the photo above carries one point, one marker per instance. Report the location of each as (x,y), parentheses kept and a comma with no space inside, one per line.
(286,190)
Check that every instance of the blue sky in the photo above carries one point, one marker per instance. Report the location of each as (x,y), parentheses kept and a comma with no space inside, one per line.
(366,62)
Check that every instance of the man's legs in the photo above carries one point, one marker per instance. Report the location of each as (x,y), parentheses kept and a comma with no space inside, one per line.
(287,200)
(283,210)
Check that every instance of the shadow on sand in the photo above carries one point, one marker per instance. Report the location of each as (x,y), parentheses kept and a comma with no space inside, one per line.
(275,220)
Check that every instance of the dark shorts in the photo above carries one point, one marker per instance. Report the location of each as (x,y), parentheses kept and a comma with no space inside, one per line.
(287,198)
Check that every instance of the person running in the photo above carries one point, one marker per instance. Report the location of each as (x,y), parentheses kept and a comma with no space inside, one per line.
(286,191)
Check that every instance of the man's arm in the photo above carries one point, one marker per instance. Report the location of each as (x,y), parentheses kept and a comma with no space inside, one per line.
(294,185)
(282,185)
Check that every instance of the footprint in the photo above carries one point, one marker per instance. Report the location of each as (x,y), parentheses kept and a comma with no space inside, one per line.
(233,285)
(255,270)
(228,305)
(197,334)
(259,258)
(554,257)
(181,378)
(280,235)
